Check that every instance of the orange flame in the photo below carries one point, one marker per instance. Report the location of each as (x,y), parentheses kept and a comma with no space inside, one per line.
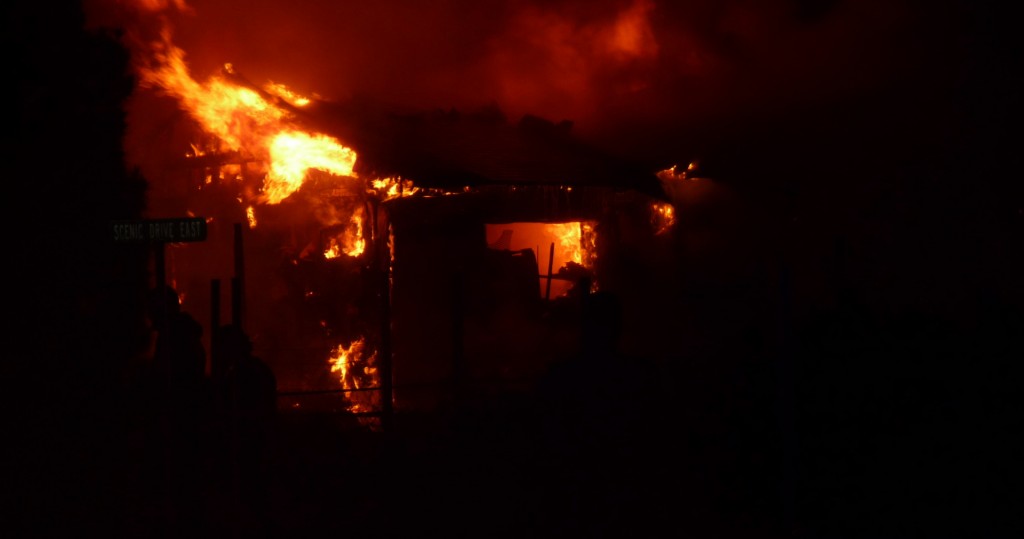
(355,244)
(246,120)
(293,153)
(570,237)
(389,188)
(333,249)
(283,92)
(350,241)
(357,370)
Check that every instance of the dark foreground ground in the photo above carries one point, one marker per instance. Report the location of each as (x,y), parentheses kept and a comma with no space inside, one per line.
(531,465)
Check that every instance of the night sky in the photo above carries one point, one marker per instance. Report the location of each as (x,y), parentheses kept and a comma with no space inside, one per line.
(862,167)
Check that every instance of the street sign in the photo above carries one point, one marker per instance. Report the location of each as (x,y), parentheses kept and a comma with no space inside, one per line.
(174,230)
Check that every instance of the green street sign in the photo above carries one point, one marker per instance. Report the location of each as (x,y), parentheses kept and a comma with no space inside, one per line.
(185,229)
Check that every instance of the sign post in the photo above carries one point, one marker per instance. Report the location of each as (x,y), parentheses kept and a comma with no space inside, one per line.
(173,230)
(158,233)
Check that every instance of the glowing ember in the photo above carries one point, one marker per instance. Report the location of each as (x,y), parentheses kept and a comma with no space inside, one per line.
(357,370)
(663,216)
(673,173)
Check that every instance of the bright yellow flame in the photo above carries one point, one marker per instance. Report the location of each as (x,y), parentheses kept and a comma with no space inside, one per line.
(243,120)
(250,214)
(354,243)
(357,370)
(569,235)
(389,188)
(293,153)
(350,241)
(333,249)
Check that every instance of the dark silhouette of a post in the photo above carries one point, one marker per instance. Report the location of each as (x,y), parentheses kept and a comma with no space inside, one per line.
(238,281)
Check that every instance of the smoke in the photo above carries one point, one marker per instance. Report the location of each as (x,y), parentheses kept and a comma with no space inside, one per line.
(645,77)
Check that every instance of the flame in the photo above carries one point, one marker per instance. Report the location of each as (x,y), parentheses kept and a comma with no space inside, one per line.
(350,241)
(588,246)
(577,242)
(355,244)
(389,188)
(250,215)
(246,121)
(569,236)
(283,92)
(293,153)
(357,370)
(333,249)
(573,256)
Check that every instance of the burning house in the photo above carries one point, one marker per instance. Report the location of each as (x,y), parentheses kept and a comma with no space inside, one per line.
(446,261)
(837,312)
(380,257)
